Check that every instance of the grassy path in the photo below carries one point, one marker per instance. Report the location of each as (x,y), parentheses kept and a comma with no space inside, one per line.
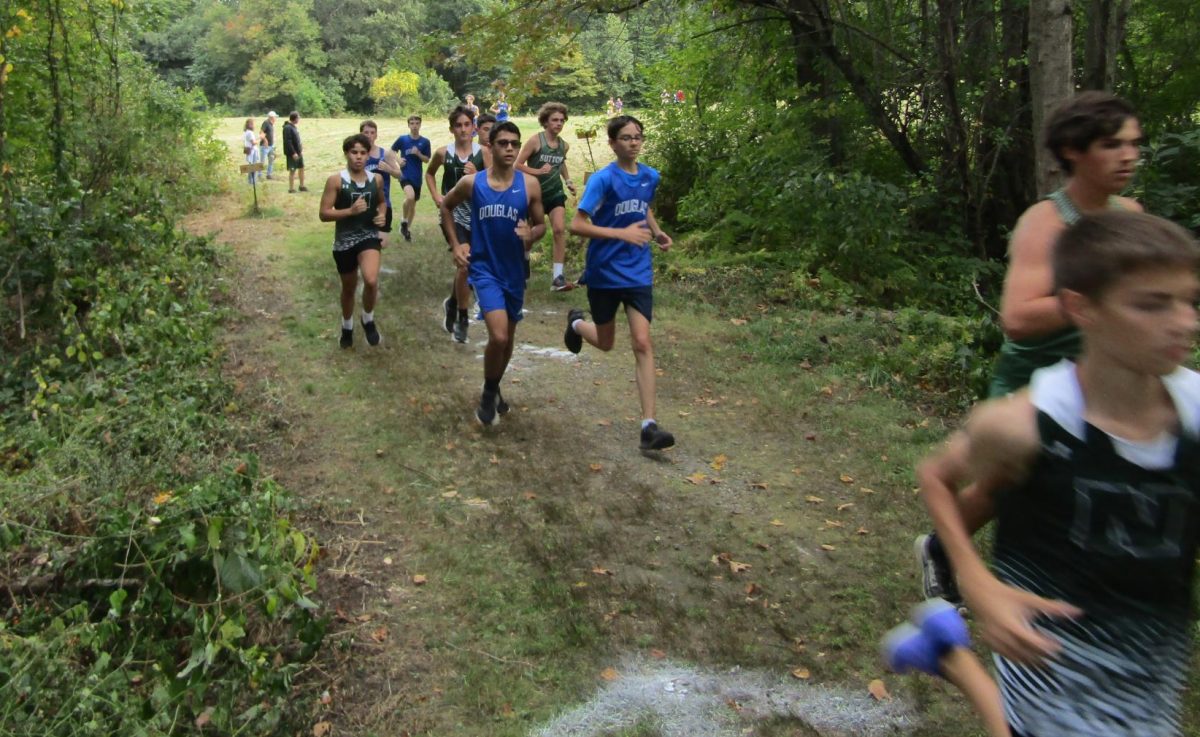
(479,583)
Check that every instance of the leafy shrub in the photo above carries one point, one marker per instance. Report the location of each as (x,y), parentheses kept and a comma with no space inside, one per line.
(1166,179)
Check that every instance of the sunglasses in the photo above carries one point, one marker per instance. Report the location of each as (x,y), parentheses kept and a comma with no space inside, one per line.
(507,143)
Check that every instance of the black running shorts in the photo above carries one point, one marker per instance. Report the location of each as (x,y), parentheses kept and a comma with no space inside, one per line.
(347,261)
(604,303)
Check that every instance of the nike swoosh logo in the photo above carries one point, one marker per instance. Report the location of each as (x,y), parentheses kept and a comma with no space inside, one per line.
(644,184)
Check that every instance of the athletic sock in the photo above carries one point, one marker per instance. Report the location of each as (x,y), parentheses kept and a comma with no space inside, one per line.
(575,326)
(368,317)
(347,323)
(558,270)
(647,422)
(462,314)
(491,385)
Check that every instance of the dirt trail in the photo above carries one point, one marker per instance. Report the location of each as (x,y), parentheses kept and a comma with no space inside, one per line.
(481,583)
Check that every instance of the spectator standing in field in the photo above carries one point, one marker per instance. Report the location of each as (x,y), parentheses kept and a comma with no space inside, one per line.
(294,152)
(610,108)
(250,145)
(416,151)
(620,106)
(268,153)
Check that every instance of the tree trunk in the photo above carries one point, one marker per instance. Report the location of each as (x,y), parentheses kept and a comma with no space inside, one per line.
(1049,78)
(811,75)
(1105,33)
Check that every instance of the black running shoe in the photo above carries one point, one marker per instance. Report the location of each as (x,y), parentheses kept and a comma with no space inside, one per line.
(572,339)
(501,405)
(655,439)
(560,284)
(450,307)
(347,340)
(404,231)
(460,329)
(485,413)
(937,578)
(372,332)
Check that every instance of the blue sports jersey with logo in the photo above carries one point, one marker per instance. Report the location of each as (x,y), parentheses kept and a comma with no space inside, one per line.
(373,163)
(411,172)
(615,199)
(496,251)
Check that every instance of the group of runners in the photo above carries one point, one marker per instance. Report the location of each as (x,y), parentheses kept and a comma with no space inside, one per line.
(496,198)
(1085,455)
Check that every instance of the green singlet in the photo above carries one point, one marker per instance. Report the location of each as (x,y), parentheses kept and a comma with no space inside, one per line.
(1020,358)
(552,185)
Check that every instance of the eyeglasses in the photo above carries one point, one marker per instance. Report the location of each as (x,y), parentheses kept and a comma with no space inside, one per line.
(507,143)
(627,139)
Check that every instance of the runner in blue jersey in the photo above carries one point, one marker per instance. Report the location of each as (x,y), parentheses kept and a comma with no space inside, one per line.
(500,109)
(416,150)
(384,163)
(615,214)
(506,219)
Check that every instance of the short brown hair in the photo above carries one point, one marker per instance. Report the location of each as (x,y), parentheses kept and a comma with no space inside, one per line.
(458,112)
(1081,120)
(417,118)
(548,109)
(1095,252)
(367,124)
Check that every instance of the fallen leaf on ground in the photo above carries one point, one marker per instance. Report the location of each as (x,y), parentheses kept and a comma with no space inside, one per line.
(326,698)
(204,718)
(737,321)
(529,495)
(696,478)
(753,589)
(846,479)
(827,391)
(494,460)
(805,364)
(813,499)
(162,497)
(507,712)
(321,729)
(387,561)
(684,414)
(878,690)
(449,494)
(862,531)
(596,467)
(419,579)
(657,654)
(865,490)
(828,548)
(380,634)
(802,673)
(597,382)
(601,571)
(610,674)
(241,469)
(834,523)
(737,567)
(732,704)
(776,523)
(758,485)
(427,409)
(659,372)
(762,546)
(603,423)
(810,436)
(844,507)
(378,452)
(718,463)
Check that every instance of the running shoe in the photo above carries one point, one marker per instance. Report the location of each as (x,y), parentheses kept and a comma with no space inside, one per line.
(304,189)
(560,284)
(450,307)
(940,621)
(485,413)
(937,579)
(404,231)
(654,438)
(906,649)
(572,339)
(347,340)
(460,329)
(372,332)
(502,407)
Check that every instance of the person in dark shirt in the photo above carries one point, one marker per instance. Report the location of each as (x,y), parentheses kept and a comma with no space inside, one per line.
(293,151)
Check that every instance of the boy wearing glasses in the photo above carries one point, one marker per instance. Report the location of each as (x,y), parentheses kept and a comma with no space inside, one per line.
(506,218)
(545,156)
(615,214)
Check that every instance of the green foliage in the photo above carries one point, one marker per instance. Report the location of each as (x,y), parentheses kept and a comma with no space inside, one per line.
(1166,183)
(395,92)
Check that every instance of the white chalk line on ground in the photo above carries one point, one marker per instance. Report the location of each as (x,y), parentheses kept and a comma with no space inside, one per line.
(685,701)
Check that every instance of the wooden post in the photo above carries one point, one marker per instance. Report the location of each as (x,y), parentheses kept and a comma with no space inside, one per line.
(587,136)
(253,169)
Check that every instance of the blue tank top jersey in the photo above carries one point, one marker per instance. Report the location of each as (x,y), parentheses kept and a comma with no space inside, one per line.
(501,112)
(496,251)
(615,199)
(373,163)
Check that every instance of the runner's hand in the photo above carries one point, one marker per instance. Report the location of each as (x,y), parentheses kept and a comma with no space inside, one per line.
(571,186)
(1006,615)
(359,205)
(637,234)
(544,169)
(523,231)
(462,255)
(469,168)
(414,151)
(380,218)
(664,240)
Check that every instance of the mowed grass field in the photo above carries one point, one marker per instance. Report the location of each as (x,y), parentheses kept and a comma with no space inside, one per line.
(482,583)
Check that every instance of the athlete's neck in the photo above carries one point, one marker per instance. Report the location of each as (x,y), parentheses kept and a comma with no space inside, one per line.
(1123,402)
(500,176)
(463,149)
(357,175)
(551,138)
(629,166)
(1085,196)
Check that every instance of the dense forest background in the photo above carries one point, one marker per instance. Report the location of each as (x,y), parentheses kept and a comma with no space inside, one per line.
(862,158)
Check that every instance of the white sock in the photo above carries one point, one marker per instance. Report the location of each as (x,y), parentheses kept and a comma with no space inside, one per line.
(575,325)
(369,317)
(558,270)
(647,421)
(404,222)
(347,323)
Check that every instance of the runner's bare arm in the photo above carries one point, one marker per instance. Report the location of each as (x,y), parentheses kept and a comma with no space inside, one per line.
(459,194)
(1028,306)
(566,176)
(537,212)
(656,232)
(435,163)
(390,164)
(380,218)
(527,150)
(637,234)
(996,450)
